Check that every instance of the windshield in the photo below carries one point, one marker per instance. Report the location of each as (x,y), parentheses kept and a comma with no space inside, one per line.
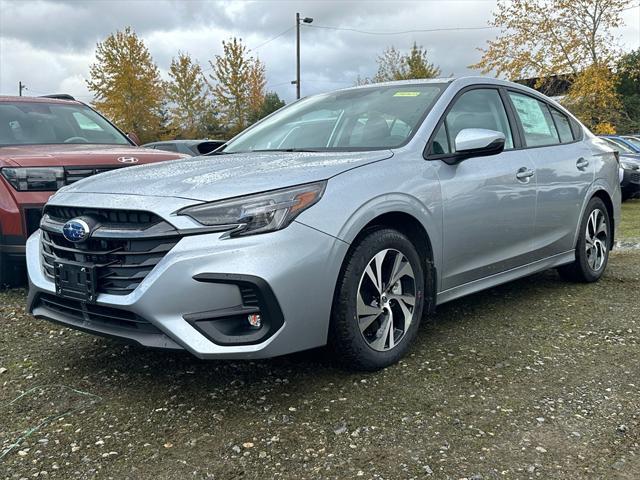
(359,119)
(33,123)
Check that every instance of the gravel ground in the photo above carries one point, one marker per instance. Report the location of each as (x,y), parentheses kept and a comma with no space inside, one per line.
(538,378)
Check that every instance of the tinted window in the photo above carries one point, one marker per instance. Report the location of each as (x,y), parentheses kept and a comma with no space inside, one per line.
(363,118)
(169,147)
(536,120)
(563,126)
(480,108)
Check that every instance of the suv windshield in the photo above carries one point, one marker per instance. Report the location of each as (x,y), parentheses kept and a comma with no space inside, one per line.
(33,123)
(358,119)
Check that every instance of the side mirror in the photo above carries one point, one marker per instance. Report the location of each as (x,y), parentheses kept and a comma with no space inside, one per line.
(133,137)
(478,142)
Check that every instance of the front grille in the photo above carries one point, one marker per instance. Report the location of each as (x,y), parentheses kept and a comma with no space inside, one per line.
(111,218)
(121,262)
(97,314)
(635,177)
(73,174)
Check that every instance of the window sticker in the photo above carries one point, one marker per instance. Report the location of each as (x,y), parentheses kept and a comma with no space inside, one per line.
(406,94)
(531,115)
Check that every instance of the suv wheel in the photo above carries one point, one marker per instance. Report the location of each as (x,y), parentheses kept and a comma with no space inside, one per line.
(594,243)
(378,302)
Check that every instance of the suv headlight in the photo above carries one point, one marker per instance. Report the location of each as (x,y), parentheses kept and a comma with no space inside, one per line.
(35,179)
(260,213)
(628,166)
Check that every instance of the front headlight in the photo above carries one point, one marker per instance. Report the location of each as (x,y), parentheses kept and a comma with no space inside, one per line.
(35,179)
(260,213)
(629,166)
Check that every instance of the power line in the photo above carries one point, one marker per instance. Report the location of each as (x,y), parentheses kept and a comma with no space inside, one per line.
(252,49)
(451,29)
(272,39)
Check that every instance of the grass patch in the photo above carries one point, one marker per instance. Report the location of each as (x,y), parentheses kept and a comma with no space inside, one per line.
(630,225)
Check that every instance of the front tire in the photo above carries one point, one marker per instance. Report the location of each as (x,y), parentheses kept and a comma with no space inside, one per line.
(594,243)
(378,302)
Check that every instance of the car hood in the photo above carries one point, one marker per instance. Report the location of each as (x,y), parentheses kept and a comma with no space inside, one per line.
(209,178)
(80,155)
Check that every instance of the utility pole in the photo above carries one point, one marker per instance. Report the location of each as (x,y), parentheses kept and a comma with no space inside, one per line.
(297,80)
(21,87)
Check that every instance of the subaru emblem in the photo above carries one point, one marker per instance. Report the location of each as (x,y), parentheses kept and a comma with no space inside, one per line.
(76,230)
(127,159)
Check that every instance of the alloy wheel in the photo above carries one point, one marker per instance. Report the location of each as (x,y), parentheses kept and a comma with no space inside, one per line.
(386,299)
(596,240)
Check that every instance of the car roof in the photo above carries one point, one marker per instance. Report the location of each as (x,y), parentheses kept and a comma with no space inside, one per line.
(460,82)
(9,98)
(469,79)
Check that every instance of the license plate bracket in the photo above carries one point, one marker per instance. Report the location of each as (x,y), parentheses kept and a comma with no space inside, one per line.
(75,280)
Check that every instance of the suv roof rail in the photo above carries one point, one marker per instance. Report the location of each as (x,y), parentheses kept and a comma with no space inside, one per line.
(59,96)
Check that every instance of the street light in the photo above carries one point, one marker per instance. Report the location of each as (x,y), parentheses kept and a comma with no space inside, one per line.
(297,80)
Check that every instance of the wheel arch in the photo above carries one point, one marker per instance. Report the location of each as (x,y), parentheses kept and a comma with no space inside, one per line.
(409,225)
(608,202)
(597,191)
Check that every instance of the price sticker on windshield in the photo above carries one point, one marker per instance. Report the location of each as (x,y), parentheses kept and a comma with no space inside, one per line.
(406,94)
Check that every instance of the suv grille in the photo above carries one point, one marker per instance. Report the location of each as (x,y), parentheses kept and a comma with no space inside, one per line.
(73,174)
(121,262)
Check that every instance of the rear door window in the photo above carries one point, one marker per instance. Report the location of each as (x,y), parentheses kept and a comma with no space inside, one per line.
(537,124)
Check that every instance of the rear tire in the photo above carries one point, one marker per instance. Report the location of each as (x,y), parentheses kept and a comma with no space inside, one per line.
(594,243)
(378,302)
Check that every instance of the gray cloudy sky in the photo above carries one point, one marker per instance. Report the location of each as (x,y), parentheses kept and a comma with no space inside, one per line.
(49,45)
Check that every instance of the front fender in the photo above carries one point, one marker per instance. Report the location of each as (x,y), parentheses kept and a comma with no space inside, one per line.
(354,199)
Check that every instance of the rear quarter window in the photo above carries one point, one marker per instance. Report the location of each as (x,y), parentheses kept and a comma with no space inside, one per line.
(563,126)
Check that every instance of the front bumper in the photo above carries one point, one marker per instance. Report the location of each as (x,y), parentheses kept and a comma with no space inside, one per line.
(630,184)
(197,281)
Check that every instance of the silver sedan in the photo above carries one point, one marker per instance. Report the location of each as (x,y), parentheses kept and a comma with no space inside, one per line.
(342,219)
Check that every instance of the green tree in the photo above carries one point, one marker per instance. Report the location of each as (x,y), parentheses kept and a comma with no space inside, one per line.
(238,85)
(126,84)
(190,109)
(394,65)
(417,64)
(270,104)
(628,70)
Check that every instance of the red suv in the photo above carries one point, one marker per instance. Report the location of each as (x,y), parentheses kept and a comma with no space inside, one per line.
(46,143)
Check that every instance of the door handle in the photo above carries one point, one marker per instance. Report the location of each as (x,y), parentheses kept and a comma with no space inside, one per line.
(582,163)
(524,174)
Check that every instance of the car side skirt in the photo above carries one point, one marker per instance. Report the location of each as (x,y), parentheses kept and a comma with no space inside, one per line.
(504,277)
